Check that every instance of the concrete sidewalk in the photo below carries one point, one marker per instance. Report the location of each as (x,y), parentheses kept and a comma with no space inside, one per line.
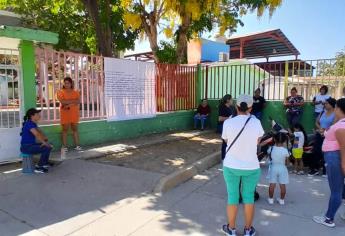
(86,198)
(128,144)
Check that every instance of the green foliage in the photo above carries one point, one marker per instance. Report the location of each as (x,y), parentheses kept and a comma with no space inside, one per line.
(334,67)
(70,20)
(167,52)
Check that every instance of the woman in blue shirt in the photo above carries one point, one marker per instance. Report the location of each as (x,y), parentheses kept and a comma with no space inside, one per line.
(323,122)
(30,133)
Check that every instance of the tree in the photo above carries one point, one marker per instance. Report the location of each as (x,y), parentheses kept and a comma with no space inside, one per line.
(185,19)
(84,26)
(333,67)
(167,52)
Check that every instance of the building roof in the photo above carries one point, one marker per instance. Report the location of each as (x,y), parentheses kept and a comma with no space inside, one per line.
(9,18)
(142,56)
(265,44)
(292,64)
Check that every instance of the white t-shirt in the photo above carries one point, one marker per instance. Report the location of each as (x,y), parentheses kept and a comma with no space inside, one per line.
(243,154)
(320,98)
(299,137)
(278,155)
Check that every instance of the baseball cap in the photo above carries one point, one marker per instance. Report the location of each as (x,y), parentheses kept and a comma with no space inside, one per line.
(246,99)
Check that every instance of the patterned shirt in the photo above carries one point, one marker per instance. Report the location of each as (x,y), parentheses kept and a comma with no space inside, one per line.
(293,100)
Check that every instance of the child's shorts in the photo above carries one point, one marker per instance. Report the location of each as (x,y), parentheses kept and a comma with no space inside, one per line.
(297,153)
(279,174)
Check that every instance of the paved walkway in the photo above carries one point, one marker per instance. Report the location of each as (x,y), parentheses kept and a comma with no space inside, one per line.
(86,198)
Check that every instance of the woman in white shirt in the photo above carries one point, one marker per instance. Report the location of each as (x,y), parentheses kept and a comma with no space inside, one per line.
(241,163)
(320,99)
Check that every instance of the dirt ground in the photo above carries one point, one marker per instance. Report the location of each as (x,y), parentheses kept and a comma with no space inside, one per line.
(167,157)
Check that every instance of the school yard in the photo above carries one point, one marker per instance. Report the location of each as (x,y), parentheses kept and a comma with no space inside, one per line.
(103,196)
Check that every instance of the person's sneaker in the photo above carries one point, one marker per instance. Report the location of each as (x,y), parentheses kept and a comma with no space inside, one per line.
(294,172)
(249,232)
(78,148)
(323,221)
(228,231)
(281,201)
(48,165)
(324,176)
(301,172)
(41,170)
(313,173)
(270,201)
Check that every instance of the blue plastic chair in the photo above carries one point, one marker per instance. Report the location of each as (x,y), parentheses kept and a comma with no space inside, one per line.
(27,164)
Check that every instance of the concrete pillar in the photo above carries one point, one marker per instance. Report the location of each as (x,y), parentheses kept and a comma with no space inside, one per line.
(27,61)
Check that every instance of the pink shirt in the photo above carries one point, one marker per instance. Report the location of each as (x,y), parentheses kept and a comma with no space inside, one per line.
(330,143)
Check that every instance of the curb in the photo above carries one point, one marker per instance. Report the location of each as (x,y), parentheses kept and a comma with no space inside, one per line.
(176,178)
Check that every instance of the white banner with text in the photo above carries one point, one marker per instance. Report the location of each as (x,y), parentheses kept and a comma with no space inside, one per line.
(129,89)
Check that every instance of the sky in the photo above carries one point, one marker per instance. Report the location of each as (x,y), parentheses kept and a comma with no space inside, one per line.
(315,27)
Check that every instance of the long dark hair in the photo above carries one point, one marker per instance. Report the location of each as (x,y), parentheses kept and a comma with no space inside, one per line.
(224,99)
(280,138)
(301,128)
(341,104)
(69,79)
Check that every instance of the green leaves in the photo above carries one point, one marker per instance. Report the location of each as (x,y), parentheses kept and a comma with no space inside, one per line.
(71,21)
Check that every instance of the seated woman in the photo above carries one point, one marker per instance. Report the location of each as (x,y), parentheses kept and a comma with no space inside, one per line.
(294,104)
(30,133)
(202,114)
(323,123)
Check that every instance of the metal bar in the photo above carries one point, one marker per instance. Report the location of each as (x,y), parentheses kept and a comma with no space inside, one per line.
(92,79)
(274,80)
(218,80)
(53,86)
(206,82)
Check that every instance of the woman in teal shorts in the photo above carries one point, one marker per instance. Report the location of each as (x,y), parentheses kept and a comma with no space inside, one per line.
(241,134)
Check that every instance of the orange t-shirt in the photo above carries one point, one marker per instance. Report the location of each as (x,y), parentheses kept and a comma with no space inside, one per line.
(69,114)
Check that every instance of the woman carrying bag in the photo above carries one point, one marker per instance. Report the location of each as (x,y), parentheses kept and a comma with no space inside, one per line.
(242,134)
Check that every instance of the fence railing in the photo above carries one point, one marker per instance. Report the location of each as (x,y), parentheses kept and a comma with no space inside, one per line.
(175,87)
(179,86)
(275,79)
(87,74)
(9,88)
(221,79)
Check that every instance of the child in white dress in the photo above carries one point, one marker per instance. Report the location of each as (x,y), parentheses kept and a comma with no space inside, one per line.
(278,172)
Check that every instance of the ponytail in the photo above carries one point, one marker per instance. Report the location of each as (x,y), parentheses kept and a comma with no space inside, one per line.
(243,107)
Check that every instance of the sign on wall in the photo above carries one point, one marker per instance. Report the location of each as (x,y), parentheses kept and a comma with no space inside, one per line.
(129,89)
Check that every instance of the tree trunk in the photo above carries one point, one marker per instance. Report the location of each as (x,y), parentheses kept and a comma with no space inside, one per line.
(103,34)
(149,24)
(181,50)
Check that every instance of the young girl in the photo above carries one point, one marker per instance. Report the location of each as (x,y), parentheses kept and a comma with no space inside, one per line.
(278,173)
(30,133)
(300,138)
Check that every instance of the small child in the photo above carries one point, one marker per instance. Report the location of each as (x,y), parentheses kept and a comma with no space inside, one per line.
(278,172)
(300,138)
